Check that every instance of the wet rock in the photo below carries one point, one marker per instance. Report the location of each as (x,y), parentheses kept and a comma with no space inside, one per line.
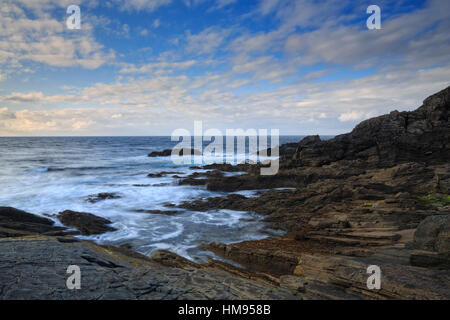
(232,202)
(86,223)
(164,153)
(180,152)
(14,222)
(162,174)
(102,196)
(163,212)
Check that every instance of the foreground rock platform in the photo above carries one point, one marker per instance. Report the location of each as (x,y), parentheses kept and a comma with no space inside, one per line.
(35,255)
(34,267)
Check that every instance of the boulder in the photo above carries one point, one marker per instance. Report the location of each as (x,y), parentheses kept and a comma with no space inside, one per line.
(433,234)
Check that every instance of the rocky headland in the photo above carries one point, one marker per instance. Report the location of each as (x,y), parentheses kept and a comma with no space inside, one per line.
(378,195)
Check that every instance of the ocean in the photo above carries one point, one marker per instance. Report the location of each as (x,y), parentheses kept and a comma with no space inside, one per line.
(47,175)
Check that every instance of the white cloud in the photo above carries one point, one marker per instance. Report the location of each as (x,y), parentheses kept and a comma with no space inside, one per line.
(156,23)
(141,5)
(45,39)
(17,97)
(160,104)
(207,41)
(351,116)
(262,77)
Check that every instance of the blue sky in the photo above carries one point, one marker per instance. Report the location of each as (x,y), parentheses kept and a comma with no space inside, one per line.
(148,67)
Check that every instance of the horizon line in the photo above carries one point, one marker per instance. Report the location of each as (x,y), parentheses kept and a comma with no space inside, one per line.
(130,136)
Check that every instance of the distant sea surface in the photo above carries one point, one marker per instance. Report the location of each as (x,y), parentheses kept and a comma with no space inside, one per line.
(47,175)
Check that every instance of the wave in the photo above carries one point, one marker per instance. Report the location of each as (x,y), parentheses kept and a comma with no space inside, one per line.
(45,169)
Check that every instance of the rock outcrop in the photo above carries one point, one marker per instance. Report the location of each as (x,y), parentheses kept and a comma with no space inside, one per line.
(422,135)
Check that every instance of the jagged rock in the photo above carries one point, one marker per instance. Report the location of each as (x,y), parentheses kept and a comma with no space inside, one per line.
(86,223)
(421,135)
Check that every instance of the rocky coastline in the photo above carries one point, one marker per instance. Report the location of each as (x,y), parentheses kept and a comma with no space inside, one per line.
(378,195)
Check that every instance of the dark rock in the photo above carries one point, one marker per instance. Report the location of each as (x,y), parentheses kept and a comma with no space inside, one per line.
(14,222)
(12,214)
(86,223)
(433,234)
(162,174)
(163,212)
(37,269)
(102,196)
(164,153)
(422,135)
(180,152)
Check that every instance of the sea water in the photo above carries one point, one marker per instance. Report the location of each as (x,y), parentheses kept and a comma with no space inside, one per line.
(47,175)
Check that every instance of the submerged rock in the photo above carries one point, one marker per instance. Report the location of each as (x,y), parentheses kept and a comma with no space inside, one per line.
(162,212)
(102,196)
(163,174)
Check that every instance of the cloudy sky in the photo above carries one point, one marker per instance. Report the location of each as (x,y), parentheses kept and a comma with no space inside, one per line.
(147,67)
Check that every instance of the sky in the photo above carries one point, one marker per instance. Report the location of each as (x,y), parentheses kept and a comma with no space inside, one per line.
(148,67)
